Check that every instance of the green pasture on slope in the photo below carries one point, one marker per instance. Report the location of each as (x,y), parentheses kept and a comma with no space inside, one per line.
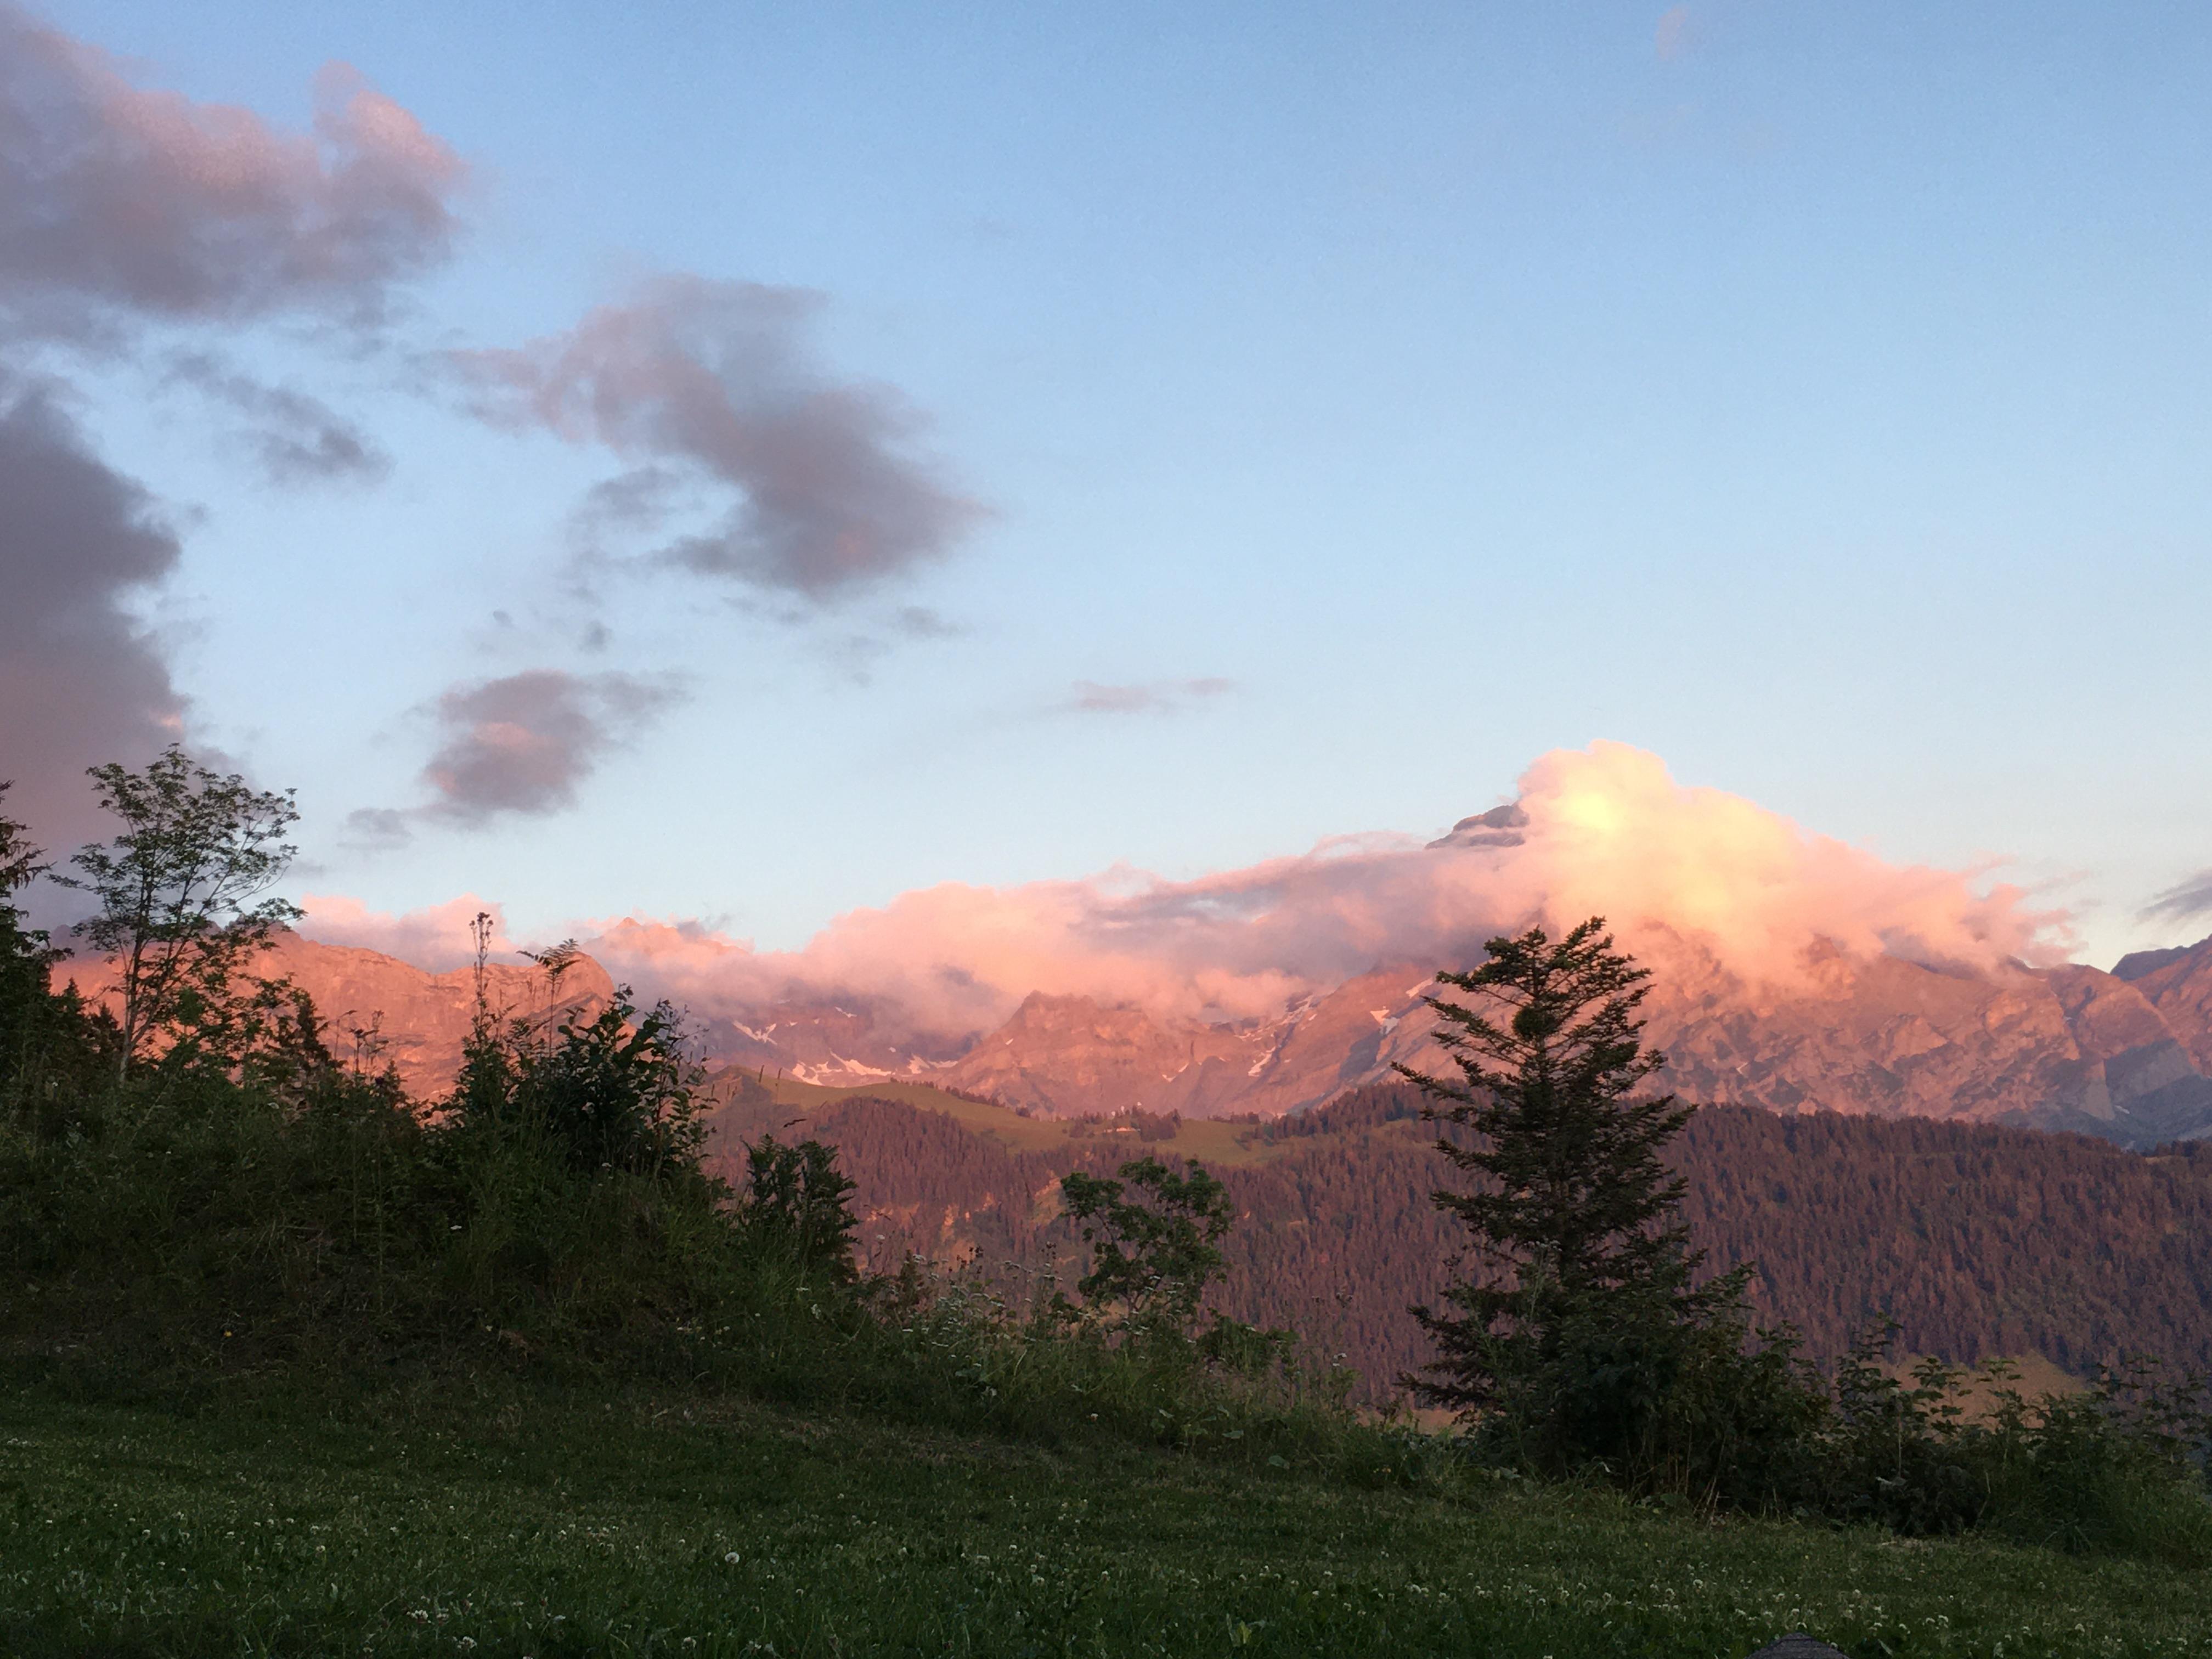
(526,1523)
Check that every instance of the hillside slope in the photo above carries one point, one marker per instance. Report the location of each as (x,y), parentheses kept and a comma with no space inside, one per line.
(1978,1240)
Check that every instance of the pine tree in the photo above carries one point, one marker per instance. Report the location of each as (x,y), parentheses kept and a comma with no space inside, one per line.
(1581,1336)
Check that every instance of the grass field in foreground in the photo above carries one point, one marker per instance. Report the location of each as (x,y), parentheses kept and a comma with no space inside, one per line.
(524,1524)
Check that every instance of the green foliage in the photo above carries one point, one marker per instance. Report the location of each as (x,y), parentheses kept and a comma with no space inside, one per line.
(2119,1466)
(1657,1392)
(798,1202)
(971,1354)
(1155,1251)
(52,1051)
(613,1092)
(1583,1339)
(1898,1450)
(25,953)
(180,910)
(1585,1345)
(1574,1204)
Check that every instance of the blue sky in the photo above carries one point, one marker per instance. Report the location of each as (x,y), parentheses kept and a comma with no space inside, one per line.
(1815,396)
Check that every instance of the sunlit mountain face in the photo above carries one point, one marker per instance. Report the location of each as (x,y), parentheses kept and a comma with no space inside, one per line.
(1788,971)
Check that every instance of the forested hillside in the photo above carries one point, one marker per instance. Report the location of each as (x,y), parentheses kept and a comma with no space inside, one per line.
(1978,1240)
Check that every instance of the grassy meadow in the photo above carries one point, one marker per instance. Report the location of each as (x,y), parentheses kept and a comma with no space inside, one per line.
(482,1520)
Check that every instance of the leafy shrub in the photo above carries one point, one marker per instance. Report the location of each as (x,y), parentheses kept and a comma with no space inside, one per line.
(1155,1251)
(798,1201)
(2119,1468)
(610,1092)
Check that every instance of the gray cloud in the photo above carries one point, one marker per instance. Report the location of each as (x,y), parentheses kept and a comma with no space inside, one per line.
(2186,901)
(116,198)
(376,830)
(297,439)
(1154,697)
(119,207)
(523,744)
(919,621)
(81,680)
(811,485)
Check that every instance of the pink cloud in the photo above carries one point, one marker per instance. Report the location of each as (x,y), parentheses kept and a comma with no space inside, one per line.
(113,194)
(713,388)
(121,204)
(1600,830)
(1674,34)
(435,938)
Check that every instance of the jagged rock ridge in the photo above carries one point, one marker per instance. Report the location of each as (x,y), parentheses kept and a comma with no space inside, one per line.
(2070,1047)
(2125,1055)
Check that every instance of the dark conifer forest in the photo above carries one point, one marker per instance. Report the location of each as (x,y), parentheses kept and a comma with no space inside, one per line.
(1978,1240)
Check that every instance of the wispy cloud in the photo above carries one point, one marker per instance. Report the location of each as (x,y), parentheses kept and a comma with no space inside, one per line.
(518,746)
(1151,698)
(2186,901)
(523,744)
(297,439)
(811,487)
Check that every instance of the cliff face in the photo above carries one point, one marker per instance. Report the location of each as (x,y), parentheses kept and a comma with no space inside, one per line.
(420,1020)
(2178,984)
(2070,1047)
(1069,1055)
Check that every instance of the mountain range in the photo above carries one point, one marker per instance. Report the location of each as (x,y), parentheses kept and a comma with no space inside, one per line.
(2124,1055)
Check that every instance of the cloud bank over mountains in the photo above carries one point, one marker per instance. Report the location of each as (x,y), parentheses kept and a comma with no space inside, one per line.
(1601,831)
(1791,971)
(436,937)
